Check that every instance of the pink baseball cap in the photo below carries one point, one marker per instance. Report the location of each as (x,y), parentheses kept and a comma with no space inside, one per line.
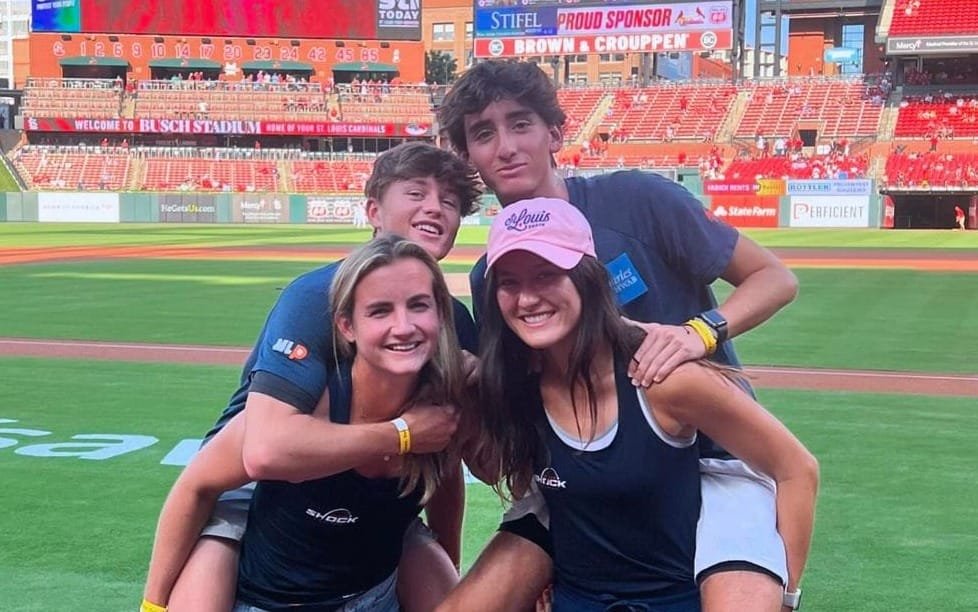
(548,227)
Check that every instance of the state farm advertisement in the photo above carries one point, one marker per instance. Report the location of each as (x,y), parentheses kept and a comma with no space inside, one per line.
(746,211)
(829,211)
(528,30)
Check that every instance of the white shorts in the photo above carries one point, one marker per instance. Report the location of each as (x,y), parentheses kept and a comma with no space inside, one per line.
(738,519)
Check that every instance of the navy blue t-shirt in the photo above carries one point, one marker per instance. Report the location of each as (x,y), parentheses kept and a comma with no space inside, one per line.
(317,544)
(294,351)
(661,249)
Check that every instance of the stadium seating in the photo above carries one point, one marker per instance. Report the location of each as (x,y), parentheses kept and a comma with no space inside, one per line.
(934,17)
(72,98)
(205,174)
(385,103)
(73,168)
(800,167)
(841,108)
(579,103)
(242,100)
(932,171)
(668,112)
(329,176)
(954,115)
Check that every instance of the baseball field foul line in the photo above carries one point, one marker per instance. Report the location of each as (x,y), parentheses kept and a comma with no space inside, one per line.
(904,383)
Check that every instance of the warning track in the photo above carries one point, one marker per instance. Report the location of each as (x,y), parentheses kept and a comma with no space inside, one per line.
(914,383)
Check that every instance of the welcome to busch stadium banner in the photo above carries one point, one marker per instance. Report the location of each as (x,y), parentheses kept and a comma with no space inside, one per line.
(229,127)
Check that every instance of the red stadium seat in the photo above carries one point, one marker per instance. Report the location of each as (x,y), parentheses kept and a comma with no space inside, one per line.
(934,17)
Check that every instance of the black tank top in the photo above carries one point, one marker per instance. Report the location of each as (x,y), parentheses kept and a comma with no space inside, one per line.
(317,544)
(623,518)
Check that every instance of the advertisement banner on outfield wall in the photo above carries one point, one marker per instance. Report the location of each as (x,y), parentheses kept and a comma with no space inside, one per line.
(336,209)
(189,208)
(757,187)
(260,208)
(829,211)
(853,187)
(746,211)
(553,27)
(78,207)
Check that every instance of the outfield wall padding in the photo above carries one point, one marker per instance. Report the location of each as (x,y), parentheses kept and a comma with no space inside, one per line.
(742,210)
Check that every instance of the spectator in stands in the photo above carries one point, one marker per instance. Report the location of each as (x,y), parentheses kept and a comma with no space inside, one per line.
(417,191)
(780,146)
(505,119)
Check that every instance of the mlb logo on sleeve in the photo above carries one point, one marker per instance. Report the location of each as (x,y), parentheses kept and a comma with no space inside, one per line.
(291,349)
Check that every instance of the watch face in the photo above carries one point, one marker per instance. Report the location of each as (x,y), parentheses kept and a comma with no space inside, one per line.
(714,319)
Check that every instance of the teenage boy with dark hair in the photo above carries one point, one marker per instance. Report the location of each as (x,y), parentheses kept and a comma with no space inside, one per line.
(662,252)
(415,190)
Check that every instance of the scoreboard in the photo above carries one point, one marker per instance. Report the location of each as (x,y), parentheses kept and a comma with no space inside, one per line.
(345,19)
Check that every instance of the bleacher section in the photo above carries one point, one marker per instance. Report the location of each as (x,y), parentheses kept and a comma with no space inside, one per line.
(71,168)
(204,174)
(72,98)
(799,167)
(838,108)
(329,176)
(931,171)
(954,115)
(668,112)
(385,103)
(579,104)
(230,100)
(666,125)
(934,17)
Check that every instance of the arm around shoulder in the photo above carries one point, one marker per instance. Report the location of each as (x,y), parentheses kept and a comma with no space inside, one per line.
(282,443)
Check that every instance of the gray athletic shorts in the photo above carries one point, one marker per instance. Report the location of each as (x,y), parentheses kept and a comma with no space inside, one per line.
(380,598)
(737,528)
(738,519)
(230,516)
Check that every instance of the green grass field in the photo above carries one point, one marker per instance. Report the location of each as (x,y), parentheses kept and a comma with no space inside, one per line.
(894,530)
(72,234)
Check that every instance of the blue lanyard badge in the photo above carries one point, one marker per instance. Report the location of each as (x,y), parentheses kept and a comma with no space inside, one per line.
(625,279)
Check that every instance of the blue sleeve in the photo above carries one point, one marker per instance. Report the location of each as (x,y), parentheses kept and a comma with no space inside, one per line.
(465,330)
(296,344)
(690,239)
(693,240)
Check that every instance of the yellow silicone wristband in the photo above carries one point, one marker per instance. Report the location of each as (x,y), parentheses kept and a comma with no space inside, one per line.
(148,606)
(403,436)
(705,334)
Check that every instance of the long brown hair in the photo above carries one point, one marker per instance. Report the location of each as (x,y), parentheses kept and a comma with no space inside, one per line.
(509,413)
(441,380)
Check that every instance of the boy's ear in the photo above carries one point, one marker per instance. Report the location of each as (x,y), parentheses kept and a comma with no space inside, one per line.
(373,213)
(556,139)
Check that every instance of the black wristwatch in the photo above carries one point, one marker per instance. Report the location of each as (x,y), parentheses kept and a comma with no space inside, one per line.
(717,323)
